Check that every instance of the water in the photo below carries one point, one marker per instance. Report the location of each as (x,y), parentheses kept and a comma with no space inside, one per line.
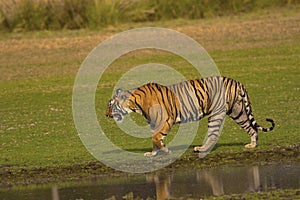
(180,184)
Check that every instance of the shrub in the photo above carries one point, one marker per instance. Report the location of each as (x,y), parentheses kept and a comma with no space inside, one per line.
(26,15)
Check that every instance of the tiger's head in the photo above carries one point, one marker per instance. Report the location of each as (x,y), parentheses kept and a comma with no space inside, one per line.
(119,105)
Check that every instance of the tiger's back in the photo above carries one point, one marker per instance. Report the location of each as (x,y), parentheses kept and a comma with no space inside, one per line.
(199,97)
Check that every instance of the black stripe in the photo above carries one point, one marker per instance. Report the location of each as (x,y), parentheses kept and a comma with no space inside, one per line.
(202,86)
(184,113)
(163,134)
(213,134)
(241,123)
(196,93)
(141,90)
(139,106)
(190,99)
(238,116)
(214,126)
(149,87)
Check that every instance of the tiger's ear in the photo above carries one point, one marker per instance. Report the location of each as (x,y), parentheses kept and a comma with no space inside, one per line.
(119,91)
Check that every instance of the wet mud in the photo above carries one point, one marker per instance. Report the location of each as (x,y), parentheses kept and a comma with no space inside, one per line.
(14,175)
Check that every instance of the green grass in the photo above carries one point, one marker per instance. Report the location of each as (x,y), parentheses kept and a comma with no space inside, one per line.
(271,83)
(37,73)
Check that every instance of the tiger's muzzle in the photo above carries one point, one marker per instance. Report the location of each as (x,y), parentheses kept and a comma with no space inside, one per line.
(117,116)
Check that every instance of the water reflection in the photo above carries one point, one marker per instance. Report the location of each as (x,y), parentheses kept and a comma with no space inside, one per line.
(55,193)
(245,180)
(162,184)
(213,182)
(179,184)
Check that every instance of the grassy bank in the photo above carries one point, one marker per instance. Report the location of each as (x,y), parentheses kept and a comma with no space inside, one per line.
(26,15)
(38,140)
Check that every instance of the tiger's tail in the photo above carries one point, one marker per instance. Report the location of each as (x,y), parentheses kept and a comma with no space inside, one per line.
(249,112)
(267,129)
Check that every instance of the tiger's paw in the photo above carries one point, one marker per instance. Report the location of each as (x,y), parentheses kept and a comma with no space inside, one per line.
(164,150)
(198,149)
(202,151)
(250,145)
(150,154)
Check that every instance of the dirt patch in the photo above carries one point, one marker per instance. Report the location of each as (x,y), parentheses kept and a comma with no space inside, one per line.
(247,33)
(227,33)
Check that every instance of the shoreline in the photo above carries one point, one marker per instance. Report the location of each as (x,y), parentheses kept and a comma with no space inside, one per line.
(13,176)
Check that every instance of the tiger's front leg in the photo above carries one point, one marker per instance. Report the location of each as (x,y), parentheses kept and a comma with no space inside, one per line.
(158,143)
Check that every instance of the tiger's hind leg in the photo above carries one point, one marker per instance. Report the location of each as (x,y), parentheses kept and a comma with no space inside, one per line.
(215,122)
(239,115)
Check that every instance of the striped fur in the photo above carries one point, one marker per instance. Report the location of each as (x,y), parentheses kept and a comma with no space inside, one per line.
(164,106)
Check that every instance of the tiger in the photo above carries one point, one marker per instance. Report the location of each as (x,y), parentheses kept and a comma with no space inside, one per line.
(187,101)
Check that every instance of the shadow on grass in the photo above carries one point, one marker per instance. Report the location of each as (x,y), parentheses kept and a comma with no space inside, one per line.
(239,144)
(176,148)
